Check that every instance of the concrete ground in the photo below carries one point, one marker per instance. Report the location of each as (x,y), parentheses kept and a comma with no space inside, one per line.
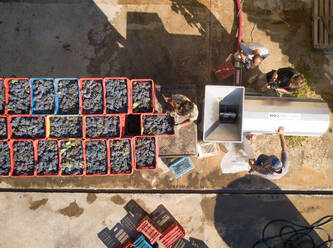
(73,220)
(170,41)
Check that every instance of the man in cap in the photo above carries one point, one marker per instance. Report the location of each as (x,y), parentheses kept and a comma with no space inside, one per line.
(272,167)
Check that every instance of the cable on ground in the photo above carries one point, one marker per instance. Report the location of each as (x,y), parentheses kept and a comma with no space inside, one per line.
(295,235)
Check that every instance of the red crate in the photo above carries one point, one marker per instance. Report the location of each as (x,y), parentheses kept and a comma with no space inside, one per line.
(132,155)
(9,127)
(48,126)
(35,144)
(6,82)
(128,92)
(224,70)
(129,244)
(107,157)
(60,165)
(150,229)
(121,125)
(141,125)
(8,123)
(156,152)
(11,148)
(5,87)
(11,164)
(81,87)
(172,234)
(153,94)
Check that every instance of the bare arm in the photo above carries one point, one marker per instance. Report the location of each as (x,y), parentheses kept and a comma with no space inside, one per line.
(282,90)
(252,165)
(282,139)
(185,123)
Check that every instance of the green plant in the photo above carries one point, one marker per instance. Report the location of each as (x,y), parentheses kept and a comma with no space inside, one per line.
(305,91)
(293,141)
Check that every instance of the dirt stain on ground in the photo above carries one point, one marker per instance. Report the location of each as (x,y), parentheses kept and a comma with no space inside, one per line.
(117,199)
(207,205)
(91,197)
(72,210)
(37,204)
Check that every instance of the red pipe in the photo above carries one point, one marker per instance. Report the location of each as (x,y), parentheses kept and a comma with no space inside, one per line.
(238,72)
(239,13)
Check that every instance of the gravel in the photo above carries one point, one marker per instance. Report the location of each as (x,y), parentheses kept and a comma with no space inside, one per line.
(23,158)
(103,126)
(116,96)
(65,127)
(142,97)
(96,153)
(71,158)
(28,127)
(158,124)
(4,158)
(3,128)
(145,153)
(19,97)
(43,96)
(68,97)
(92,97)
(121,156)
(48,158)
(2,97)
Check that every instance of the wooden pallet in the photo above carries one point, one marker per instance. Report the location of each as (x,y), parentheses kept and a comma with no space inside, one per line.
(322,28)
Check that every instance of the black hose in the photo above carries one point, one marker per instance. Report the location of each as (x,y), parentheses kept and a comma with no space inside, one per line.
(292,233)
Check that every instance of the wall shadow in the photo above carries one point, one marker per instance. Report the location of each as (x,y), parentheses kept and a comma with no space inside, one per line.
(240,219)
(57,38)
(289,23)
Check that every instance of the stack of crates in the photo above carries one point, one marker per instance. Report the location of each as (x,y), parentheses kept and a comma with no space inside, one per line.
(172,234)
(148,228)
(152,232)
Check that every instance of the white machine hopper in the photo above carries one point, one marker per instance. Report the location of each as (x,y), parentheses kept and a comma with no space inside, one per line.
(214,130)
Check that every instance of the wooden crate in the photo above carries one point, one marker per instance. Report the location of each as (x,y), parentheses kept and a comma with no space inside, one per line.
(322,27)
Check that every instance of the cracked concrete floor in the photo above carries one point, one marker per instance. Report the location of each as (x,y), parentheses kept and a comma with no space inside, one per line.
(73,220)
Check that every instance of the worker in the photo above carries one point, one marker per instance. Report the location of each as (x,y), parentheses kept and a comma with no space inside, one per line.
(272,167)
(285,80)
(277,82)
(251,54)
(182,109)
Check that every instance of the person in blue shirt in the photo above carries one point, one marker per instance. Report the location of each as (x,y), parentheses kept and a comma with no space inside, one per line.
(271,167)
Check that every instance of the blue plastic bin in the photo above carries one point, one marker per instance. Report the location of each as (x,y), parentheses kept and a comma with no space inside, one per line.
(32,95)
(180,166)
(56,81)
(142,242)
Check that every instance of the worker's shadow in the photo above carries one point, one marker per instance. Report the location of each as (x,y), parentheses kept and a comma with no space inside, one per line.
(241,218)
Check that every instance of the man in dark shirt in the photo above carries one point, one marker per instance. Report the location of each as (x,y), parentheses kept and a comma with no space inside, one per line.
(284,80)
(272,167)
